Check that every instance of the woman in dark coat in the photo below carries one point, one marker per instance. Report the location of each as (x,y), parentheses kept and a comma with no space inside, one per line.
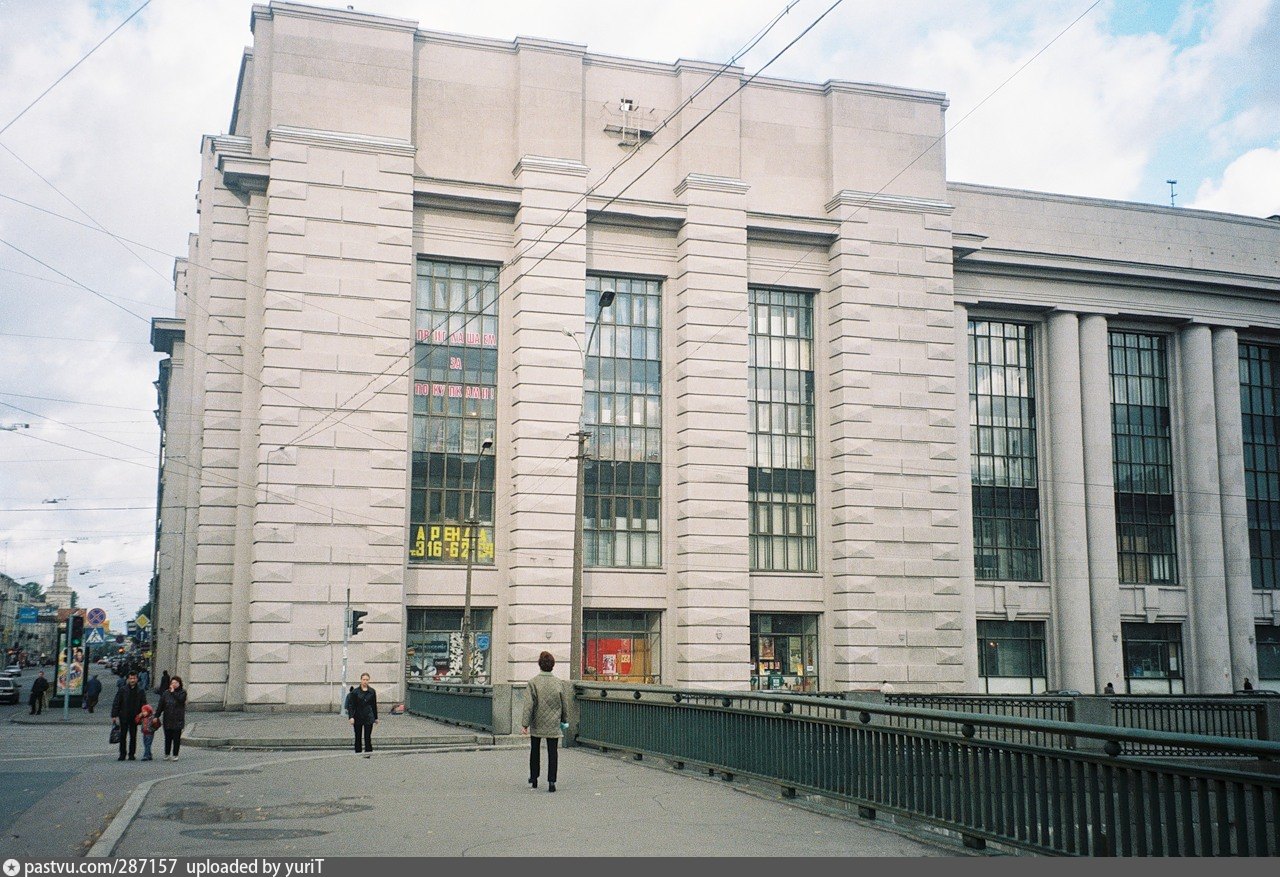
(172,714)
(362,708)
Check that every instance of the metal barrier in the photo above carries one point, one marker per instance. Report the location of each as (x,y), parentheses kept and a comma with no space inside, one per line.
(470,705)
(1038,799)
(1051,708)
(1216,717)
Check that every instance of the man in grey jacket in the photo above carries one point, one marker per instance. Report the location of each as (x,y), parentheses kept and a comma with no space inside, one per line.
(546,715)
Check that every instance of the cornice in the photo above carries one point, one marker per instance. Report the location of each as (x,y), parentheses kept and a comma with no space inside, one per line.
(462,195)
(635,212)
(712,183)
(555,47)
(342,140)
(873,89)
(785,229)
(1055,266)
(334,16)
(880,201)
(165,331)
(545,165)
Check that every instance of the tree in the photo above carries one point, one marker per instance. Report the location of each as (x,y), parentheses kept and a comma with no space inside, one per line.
(74,598)
(31,589)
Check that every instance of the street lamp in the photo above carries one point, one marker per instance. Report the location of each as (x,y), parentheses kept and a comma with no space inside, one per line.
(575,619)
(473,526)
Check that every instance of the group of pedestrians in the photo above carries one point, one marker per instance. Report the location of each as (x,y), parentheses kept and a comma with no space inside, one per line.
(130,713)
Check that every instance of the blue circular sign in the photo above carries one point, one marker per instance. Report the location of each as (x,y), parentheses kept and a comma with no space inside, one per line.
(97,617)
(482,641)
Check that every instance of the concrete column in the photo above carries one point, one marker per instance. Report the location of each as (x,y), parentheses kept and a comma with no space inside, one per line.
(968,586)
(708,398)
(1201,507)
(1072,621)
(1235,512)
(545,295)
(1100,502)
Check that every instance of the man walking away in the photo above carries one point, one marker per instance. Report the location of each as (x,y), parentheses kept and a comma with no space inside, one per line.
(128,703)
(38,688)
(92,691)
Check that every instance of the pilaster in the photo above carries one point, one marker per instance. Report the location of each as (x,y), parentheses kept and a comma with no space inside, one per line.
(710,352)
(545,288)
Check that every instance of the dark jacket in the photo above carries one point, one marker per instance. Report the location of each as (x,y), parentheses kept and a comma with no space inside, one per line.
(164,683)
(362,706)
(93,688)
(38,688)
(172,712)
(128,703)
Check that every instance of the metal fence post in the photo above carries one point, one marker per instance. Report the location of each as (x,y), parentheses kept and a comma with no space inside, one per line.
(1269,719)
(502,709)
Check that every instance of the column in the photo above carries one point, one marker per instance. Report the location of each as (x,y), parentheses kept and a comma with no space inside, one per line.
(1072,623)
(708,409)
(1201,508)
(1100,502)
(1235,511)
(546,288)
(964,451)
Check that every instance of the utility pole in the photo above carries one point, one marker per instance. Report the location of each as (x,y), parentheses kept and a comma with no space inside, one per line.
(66,688)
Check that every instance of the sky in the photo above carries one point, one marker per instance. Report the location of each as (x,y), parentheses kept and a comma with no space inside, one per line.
(1108,99)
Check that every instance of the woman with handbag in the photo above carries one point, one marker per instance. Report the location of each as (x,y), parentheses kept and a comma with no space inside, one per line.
(545,717)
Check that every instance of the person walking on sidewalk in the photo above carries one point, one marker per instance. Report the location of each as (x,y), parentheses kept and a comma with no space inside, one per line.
(92,691)
(173,716)
(128,703)
(362,710)
(38,688)
(545,716)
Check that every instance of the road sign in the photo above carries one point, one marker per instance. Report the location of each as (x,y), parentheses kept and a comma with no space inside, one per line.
(95,637)
(142,620)
(28,615)
(97,617)
(482,641)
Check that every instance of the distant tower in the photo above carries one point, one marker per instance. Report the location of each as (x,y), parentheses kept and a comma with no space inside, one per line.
(60,594)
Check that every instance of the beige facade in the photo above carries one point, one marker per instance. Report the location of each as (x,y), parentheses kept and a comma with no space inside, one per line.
(360,145)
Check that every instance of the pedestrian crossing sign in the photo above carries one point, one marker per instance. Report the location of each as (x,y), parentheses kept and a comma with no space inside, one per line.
(95,637)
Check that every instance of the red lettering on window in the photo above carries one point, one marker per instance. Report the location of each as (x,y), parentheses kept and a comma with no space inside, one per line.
(455,363)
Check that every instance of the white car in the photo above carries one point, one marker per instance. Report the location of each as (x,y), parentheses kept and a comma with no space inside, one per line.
(13,670)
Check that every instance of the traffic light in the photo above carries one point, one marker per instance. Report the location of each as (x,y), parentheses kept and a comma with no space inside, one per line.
(77,631)
(357,620)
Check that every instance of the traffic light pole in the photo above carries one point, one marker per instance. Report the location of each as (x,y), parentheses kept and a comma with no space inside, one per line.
(346,636)
(66,687)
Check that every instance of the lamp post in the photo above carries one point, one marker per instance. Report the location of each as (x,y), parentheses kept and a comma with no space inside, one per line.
(473,525)
(575,619)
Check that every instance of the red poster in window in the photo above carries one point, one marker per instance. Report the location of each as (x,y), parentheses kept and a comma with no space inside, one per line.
(624,657)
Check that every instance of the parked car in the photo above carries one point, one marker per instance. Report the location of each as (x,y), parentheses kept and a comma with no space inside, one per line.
(13,670)
(9,690)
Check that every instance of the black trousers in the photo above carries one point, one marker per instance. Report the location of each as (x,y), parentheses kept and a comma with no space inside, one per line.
(535,759)
(128,732)
(172,740)
(364,731)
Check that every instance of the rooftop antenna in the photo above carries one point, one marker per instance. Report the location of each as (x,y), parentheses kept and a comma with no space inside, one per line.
(1173,194)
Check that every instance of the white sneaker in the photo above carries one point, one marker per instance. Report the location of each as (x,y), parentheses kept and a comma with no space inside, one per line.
(175,758)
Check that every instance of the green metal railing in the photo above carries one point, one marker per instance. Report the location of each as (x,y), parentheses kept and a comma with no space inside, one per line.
(1216,717)
(1039,799)
(470,705)
(1057,709)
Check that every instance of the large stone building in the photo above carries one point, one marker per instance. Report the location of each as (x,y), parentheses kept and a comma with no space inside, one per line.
(849,422)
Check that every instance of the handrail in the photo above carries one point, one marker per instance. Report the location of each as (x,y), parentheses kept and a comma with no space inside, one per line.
(1259,748)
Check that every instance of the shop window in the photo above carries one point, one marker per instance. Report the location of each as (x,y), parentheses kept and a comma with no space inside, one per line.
(784,652)
(433,645)
(1011,657)
(622,646)
(1153,658)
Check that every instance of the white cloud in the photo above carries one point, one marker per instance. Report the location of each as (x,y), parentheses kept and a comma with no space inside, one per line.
(1249,185)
